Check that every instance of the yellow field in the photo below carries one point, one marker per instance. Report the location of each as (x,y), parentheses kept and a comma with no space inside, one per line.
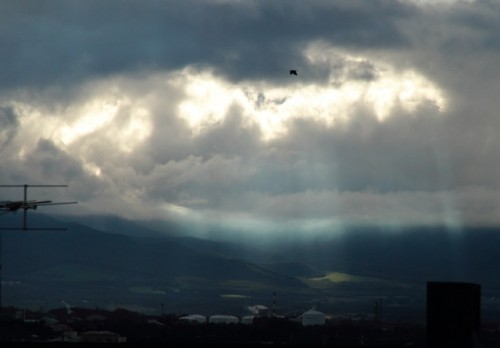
(337,277)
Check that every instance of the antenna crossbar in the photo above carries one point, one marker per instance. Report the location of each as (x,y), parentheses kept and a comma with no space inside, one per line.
(26,185)
(25,205)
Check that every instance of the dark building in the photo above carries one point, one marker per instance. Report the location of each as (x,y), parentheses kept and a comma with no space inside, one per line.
(453,314)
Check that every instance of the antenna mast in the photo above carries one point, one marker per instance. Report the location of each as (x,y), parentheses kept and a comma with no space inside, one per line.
(25,205)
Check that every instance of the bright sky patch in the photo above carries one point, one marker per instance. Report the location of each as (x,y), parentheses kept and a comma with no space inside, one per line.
(209,98)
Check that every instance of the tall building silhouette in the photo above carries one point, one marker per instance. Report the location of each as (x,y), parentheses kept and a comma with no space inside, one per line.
(453,314)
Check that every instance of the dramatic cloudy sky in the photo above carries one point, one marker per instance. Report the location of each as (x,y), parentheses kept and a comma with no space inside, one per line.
(186,109)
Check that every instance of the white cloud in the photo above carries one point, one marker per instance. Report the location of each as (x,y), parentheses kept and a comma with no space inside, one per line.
(272,106)
(393,116)
(113,122)
(435,3)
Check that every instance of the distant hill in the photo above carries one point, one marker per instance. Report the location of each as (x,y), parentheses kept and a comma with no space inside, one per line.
(415,255)
(87,263)
(114,224)
(108,259)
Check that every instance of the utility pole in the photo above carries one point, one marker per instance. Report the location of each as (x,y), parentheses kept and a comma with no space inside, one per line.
(377,311)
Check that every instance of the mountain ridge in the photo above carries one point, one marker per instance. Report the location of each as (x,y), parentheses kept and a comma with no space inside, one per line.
(134,264)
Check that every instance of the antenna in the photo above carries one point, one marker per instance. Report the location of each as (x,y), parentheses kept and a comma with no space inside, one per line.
(25,205)
(273,314)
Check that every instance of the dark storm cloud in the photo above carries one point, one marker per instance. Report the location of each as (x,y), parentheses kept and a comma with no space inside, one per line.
(48,164)
(394,110)
(49,161)
(52,162)
(8,126)
(59,42)
(481,21)
(230,138)
(363,154)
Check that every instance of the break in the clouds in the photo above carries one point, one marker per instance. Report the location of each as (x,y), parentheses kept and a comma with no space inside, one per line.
(186,109)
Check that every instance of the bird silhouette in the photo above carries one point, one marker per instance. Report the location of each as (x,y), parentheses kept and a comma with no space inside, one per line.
(293,72)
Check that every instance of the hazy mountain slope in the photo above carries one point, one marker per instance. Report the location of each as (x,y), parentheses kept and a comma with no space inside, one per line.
(414,254)
(230,249)
(340,271)
(169,231)
(113,224)
(82,263)
(28,252)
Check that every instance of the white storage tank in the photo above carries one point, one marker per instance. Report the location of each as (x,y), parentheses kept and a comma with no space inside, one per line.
(312,317)
(194,318)
(248,319)
(223,319)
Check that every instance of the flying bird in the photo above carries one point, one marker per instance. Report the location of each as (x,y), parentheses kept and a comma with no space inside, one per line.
(293,72)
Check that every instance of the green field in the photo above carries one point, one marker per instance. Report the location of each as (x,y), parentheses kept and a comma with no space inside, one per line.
(335,279)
